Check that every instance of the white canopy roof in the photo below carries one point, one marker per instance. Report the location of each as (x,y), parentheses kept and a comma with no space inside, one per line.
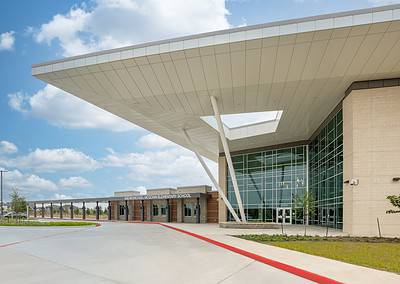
(300,67)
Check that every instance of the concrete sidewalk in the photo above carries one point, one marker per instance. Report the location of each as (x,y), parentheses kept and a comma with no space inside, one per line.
(339,271)
(124,253)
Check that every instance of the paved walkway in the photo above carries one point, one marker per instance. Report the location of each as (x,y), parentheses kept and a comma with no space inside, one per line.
(340,271)
(123,253)
(120,252)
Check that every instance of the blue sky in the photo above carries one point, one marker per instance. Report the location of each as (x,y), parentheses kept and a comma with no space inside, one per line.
(55,145)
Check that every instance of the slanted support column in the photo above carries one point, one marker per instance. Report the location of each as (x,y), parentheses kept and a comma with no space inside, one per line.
(51,210)
(97,211)
(126,210)
(109,210)
(42,210)
(142,210)
(168,212)
(198,213)
(34,210)
(83,211)
(228,156)
(61,210)
(210,175)
(71,209)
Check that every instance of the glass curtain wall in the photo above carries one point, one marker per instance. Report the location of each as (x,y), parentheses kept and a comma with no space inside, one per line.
(268,181)
(326,173)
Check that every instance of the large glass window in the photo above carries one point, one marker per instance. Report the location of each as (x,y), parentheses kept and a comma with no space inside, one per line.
(188,210)
(121,210)
(268,180)
(326,173)
(155,210)
(163,210)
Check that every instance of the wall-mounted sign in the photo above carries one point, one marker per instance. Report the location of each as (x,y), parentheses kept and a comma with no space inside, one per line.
(160,196)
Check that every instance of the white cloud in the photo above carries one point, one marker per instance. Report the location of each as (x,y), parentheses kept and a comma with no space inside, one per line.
(28,183)
(74,182)
(64,110)
(7,41)
(53,160)
(169,167)
(7,148)
(153,141)
(87,28)
(16,101)
(383,2)
(141,189)
(62,196)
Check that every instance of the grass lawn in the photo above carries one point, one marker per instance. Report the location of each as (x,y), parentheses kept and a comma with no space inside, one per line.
(378,253)
(15,222)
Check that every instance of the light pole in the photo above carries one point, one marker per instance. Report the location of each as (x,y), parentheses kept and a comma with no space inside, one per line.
(1,192)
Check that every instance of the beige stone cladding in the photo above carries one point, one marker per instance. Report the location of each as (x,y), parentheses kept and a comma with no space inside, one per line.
(115,210)
(371,153)
(194,189)
(120,217)
(160,191)
(115,205)
(160,203)
(203,203)
(131,208)
(192,202)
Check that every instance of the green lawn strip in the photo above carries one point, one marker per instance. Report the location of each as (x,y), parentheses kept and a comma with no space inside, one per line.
(378,253)
(44,224)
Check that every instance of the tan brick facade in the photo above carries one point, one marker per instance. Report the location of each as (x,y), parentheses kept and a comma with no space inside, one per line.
(208,201)
(371,133)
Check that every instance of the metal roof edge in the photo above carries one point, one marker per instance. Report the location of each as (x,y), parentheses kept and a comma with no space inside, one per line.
(224,31)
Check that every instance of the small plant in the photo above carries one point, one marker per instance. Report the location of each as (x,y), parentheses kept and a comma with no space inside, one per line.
(305,202)
(18,202)
(395,201)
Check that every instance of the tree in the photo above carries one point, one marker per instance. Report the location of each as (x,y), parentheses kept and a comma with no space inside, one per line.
(395,201)
(18,202)
(306,203)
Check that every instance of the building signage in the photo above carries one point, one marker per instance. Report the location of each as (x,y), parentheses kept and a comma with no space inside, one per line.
(160,196)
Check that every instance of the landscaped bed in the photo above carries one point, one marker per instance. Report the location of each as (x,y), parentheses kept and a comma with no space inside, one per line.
(16,222)
(378,253)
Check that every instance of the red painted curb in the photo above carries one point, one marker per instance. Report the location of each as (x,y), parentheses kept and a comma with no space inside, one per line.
(11,244)
(279,265)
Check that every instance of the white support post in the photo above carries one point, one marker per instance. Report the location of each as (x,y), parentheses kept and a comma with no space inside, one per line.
(210,175)
(228,156)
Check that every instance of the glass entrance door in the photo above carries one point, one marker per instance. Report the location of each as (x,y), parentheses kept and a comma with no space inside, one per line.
(328,216)
(284,215)
(331,217)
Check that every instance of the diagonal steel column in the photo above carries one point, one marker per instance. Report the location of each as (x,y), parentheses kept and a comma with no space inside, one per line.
(210,175)
(228,156)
